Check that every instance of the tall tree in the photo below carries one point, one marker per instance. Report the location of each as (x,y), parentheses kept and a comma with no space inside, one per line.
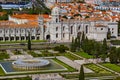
(29,41)
(118,54)
(81,74)
(78,42)
(105,44)
(72,45)
(113,55)
(119,26)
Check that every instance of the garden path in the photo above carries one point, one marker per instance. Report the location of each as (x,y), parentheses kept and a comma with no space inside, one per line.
(73,64)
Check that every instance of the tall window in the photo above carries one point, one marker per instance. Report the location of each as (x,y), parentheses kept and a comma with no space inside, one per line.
(56,20)
(16,31)
(71,29)
(56,35)
(6,31)
(79,27)
(56,28)
(63,35)
(86,28)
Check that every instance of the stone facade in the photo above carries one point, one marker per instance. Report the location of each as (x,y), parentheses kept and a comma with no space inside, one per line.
(58,30)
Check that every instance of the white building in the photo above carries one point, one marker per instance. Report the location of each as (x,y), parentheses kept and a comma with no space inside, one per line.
(55,28)
(58,30)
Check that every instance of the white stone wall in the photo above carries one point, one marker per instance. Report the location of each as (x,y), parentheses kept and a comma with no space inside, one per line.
(113,28)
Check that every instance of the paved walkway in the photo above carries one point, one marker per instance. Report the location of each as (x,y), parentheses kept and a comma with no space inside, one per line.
(73,64)
(95,61)
(9,52)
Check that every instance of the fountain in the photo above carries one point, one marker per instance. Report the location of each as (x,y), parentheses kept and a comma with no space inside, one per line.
(30,64)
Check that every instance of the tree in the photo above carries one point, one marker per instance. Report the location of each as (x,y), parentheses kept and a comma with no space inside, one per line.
(61,48)
(1,9)
(118,54)
(81,74)
(72,45)
(113,55)
(103,57)
(119,26)
(105,44)
(78,43)
(29,41)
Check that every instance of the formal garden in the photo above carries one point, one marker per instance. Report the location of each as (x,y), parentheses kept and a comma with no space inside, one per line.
(97,69)
(86,49)
(114,67)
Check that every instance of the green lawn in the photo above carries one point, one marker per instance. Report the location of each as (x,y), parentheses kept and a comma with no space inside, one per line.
(97,69)
(113,67)
(65,65)
(71,56)
(73,76)
(1,72)
(84,55)
(24,41)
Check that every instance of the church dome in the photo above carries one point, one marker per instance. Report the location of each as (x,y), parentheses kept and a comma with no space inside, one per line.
(55,11)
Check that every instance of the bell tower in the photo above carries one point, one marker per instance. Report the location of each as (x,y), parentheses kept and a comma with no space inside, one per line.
(55,14)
